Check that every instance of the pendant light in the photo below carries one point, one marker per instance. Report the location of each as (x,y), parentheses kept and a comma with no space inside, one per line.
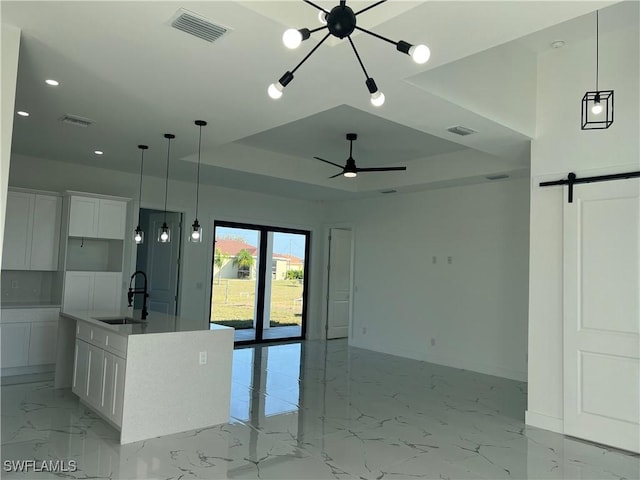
(164,233)
(196,232)
(138,234)
(597,106)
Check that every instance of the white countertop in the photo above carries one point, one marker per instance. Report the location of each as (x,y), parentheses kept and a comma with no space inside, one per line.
(155,322)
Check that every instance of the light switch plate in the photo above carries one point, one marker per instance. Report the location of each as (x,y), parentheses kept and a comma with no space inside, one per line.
(203,358)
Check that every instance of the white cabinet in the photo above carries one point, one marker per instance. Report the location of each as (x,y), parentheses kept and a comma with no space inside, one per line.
(32,231)
(92,291)
(28,336)
(98,373)
(15,344)
(97,217)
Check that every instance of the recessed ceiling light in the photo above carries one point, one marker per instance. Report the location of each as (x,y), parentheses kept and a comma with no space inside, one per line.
(53,83)
(98,152)
(22,113)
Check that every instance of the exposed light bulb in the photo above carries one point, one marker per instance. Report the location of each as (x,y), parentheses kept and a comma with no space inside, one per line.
(138,235)
(377,99)
(597,108)
(275,90)
(53,83)
(292,38)
(22,113)
(164,236)
(420,53)
(322,17)
(138,238)
(350,174)
(195,235)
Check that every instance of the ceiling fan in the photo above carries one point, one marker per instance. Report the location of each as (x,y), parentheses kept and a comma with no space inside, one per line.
(350,169)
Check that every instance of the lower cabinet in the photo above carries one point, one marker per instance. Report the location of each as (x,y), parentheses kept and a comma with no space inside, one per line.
(15,344)
(98,379)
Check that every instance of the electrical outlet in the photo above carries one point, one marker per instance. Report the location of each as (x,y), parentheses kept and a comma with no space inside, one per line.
(14,283)
(203,358)
(433,342)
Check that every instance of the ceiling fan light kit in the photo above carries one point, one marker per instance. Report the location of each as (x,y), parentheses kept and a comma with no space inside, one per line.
(350,170)
(341,22)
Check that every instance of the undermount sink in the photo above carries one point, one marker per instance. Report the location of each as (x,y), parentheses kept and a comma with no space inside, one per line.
(118,320)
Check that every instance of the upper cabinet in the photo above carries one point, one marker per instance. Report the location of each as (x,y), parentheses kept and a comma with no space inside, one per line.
(97,217)
(32,231)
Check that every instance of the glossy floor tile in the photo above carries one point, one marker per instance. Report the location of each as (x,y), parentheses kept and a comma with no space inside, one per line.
(317,410)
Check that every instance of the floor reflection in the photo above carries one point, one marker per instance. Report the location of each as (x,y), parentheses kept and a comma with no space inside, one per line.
(319,410)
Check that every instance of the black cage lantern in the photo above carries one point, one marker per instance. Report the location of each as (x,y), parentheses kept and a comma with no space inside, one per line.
(597,110)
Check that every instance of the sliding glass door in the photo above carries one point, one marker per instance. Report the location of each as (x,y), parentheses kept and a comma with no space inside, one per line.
(262,300)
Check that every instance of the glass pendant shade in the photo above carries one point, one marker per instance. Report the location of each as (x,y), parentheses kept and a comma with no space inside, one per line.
(196,233)
(164,233)
(138,235)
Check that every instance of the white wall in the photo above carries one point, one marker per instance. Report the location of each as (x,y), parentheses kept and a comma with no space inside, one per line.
(561,147)
(476,307)
(215,203)
(10,49)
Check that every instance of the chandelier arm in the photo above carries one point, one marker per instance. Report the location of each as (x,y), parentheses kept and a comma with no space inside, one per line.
(376,35)
(309,54)
(315,6)
(318,29)
(370,7)
(358,57)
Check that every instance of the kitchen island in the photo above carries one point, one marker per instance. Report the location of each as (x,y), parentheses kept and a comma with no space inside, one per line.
(150,377)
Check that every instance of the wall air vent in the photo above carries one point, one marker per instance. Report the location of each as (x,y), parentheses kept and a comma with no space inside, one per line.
(76,120)
(388,191)
(460,130)
(498,176)
(197,26)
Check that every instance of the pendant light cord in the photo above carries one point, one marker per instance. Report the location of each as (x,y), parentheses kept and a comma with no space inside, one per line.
(597,47)
(166,183)
(140,197)
(198,174)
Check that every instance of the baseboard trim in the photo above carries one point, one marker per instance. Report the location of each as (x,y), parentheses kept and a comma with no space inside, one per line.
(545,422)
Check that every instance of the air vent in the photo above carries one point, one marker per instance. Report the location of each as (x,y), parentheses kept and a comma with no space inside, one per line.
(499,176)
(388,191)
(76,120)
(460,130)
(197,26)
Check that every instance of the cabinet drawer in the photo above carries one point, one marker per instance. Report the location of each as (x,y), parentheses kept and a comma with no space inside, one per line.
(83,331)
(98,337)
(117,344)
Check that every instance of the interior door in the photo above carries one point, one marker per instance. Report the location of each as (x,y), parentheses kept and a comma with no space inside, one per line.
(339,301)
(601,316)
(162,264)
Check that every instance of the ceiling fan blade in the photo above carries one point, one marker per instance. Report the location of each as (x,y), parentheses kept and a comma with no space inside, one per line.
(336,175)
(327,161)
(380,169)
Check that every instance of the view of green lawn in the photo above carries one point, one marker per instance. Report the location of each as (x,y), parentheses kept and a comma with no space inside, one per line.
(234,299)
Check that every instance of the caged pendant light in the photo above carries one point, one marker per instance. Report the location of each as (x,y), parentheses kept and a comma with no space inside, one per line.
(138,234)
(164,233)
(196,232)
(597,106)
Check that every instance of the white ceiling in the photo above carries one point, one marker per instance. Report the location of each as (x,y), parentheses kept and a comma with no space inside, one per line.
(121,65)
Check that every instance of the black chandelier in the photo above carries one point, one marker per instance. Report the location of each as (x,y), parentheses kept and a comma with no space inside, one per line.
(341,22)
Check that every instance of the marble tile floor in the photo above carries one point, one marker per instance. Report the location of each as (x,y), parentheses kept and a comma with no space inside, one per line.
(318,410)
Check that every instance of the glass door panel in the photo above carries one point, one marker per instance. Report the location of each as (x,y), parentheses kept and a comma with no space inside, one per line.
(234,289)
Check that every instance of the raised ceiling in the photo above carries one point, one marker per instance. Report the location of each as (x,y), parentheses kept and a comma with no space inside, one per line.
(122,65)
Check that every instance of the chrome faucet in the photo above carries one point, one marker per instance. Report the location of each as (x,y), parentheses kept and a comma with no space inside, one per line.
(143,291)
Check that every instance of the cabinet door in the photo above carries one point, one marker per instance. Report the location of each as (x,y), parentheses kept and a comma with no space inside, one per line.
(83,217)
(113,387)
(42,345)
(46,232)
(78,291)
(14,342)
(112,219)
(81,369)
(95,375)
(107,291)
(16,254)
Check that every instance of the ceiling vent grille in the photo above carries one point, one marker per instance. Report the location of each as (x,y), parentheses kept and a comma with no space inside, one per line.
(498,176)
(460,130)
(76,120)
(197,26)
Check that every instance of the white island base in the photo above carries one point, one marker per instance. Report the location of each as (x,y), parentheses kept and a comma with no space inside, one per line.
(147,380)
